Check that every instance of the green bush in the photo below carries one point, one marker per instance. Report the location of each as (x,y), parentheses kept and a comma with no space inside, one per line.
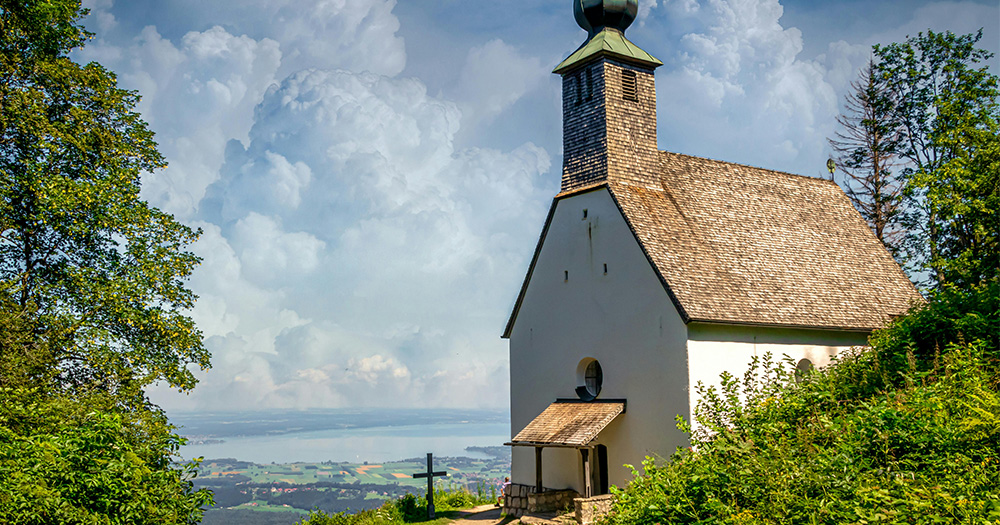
(84,460)
(454,498)
(388,513)
(408,509)
(907,431)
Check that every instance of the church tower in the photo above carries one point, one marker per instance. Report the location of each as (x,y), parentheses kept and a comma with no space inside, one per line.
(609,99)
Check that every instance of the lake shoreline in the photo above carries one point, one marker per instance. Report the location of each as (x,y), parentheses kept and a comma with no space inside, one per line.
(339,435)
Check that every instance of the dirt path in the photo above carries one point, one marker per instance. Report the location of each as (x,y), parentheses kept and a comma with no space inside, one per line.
(490,515)
(483,515)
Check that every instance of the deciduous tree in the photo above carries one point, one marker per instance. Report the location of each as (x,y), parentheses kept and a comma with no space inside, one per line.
(945,107)
(91,268)
(92,296)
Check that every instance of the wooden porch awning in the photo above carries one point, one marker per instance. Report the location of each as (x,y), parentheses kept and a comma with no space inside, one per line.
(569,423)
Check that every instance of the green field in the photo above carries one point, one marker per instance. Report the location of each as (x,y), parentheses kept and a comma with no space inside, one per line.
(461,471)
(292,489)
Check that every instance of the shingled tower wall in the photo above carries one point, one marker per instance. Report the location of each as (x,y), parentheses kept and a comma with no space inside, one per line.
(585,138)
(609,99)
(608,129)
(631,121)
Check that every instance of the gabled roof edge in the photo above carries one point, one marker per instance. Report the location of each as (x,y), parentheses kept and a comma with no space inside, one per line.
(531,268)
(666,286)
(538,250)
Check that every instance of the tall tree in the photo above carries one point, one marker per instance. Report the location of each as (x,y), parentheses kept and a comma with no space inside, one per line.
(865,150)
(88,265)
(92,296)
(946,110)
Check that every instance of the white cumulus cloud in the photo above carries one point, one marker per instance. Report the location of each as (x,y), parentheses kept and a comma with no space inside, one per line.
(388,251)
(742,81)
(494,77)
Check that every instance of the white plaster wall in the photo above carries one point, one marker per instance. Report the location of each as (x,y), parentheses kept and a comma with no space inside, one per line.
(624,319)
(714,349)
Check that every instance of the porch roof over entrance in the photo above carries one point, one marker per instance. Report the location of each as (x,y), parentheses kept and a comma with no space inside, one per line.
(569,423)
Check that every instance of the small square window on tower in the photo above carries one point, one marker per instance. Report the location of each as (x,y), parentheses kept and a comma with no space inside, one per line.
(630,91)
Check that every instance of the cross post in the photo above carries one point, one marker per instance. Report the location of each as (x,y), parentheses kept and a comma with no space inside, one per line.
(430,475)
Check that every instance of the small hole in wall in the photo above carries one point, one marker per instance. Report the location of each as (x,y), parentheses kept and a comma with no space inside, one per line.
(605,268)
(585,213)
(565,275)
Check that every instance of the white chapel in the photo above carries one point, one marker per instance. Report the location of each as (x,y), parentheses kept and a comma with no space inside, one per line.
(655,270)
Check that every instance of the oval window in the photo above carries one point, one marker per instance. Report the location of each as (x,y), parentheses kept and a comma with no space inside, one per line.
(802,369)
(593,378)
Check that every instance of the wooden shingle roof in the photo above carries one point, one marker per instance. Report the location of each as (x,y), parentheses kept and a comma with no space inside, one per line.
(568,424)
(737,244)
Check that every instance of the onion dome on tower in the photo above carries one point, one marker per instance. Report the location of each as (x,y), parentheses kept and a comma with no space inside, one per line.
(605,22)
(595,15)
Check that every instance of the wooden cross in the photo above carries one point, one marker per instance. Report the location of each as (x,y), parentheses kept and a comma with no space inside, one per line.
(430,474)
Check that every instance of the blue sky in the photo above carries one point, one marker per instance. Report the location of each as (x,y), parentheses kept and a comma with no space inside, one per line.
(371,176)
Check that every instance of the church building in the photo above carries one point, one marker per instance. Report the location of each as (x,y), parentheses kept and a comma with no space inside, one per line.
(656,270)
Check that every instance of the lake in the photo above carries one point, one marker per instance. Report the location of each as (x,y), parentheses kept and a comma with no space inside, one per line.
(353,435)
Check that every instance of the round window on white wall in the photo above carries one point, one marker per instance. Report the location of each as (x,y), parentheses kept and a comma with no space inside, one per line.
(590,379)
(802,369)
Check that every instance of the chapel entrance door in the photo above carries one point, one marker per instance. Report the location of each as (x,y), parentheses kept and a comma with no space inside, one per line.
(598,470)
(601,481)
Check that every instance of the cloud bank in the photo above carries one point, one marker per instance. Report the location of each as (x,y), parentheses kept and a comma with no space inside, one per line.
(354,255)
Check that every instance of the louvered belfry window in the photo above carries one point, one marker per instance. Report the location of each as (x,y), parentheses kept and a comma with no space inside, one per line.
(630,91)
(589,83)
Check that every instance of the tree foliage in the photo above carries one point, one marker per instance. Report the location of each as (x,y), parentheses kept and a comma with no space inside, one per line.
(92,296)
(918,145)
(83,459)
(946,111)
(85,263)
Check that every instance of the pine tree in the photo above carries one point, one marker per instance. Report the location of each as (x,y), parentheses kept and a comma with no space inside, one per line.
(865,153)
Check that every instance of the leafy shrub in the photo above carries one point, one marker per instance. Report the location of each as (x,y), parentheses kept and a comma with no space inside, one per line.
(907,431)
(407,509)
(454,498)
(388,513)
(84,460)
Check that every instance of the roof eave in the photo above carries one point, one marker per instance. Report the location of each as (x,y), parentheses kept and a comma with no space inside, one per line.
(608,43)
(531,268)
(537,444)
(828,328)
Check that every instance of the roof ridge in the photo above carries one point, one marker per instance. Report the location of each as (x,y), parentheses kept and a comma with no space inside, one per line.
(719,161)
